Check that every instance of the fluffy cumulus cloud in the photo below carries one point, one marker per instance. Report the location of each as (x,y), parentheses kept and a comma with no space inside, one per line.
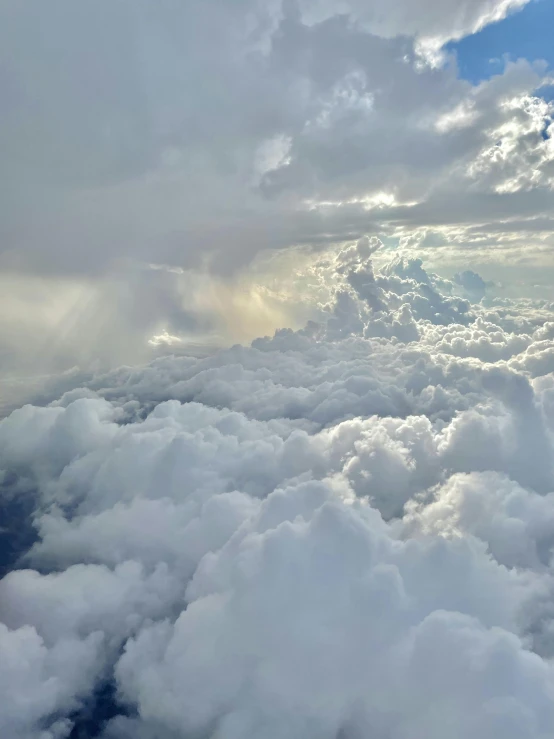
(341,531)
(336,530)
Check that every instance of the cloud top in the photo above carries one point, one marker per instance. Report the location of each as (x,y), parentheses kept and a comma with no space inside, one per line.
(341,531)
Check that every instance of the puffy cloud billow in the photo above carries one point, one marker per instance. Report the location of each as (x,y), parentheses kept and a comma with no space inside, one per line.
(339,530)
(334,533)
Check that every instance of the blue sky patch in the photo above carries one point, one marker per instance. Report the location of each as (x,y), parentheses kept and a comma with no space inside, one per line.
(527,33)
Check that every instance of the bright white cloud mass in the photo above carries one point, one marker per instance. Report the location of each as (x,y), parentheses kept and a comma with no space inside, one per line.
(341,527)
(343,531)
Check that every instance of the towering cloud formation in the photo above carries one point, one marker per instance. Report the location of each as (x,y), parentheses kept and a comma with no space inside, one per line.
(343,531)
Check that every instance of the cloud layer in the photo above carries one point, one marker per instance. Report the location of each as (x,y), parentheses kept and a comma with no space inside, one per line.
(202,136)
(342,531)
(337,530)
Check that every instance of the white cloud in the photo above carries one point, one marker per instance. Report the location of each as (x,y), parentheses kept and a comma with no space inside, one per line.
(343,530)
(432,23)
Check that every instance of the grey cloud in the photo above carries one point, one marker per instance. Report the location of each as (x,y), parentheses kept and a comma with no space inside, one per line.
(203,136)
(472,282)
(150,148)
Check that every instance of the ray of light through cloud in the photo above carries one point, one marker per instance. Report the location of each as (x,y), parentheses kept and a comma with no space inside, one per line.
(276,369)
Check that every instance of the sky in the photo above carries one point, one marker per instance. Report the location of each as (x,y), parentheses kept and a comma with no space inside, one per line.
(524,34)
(149,153)
(276,369)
